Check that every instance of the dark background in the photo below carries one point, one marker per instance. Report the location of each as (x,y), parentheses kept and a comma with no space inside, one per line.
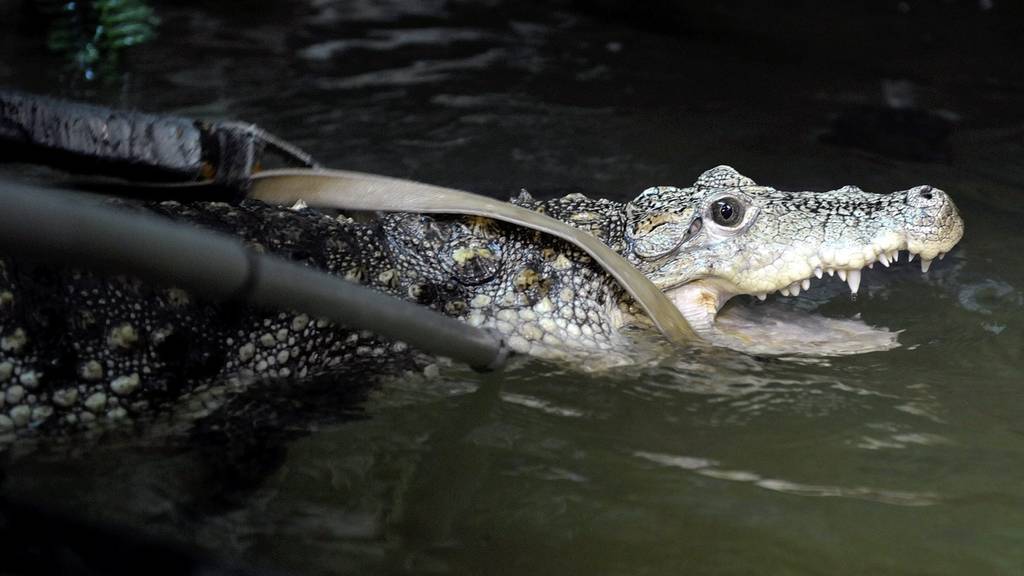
(670,88)
(608,98)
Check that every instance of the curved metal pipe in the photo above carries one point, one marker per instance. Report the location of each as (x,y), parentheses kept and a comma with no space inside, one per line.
(47,225)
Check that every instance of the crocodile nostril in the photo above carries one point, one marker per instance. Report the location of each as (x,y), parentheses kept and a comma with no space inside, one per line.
(926,192)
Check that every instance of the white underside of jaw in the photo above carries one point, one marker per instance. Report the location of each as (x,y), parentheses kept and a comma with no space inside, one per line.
(699,303)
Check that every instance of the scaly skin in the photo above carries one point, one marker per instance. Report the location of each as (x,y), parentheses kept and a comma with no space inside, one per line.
(81,351)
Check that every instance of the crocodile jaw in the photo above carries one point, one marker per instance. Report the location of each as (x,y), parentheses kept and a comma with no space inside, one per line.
(929,227)
(848,265)
(701,300)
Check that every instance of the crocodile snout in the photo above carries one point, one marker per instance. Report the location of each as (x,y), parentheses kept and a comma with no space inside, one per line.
(931,199)
(933,224)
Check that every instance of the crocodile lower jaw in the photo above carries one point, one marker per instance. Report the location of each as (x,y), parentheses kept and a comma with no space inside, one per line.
(701,300)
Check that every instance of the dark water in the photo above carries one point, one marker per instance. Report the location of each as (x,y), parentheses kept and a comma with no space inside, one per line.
(902,462)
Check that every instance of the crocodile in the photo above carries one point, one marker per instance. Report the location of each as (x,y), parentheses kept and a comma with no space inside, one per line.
(82,351)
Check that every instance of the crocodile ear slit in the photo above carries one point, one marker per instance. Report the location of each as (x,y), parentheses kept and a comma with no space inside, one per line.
(659,221)
(665,239)
(695,227)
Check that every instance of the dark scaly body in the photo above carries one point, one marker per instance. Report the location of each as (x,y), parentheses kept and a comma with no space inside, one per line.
(81,349)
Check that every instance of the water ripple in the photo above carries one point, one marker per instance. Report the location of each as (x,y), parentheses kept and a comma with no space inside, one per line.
(542,405)
(383,40)
(708,468)
(419,72)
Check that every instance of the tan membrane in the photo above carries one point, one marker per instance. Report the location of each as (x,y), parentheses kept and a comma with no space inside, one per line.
(779,330)
(347,190)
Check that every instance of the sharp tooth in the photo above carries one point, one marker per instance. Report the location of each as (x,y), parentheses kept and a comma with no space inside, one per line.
(884,259)
(817,272)
(925,265)
(762,297)
(942,255)
(784,291)
(894,255)
(831,272)
(806,284)
(842,275)
(853,280)
(871,264)
(910,256)
(794,288)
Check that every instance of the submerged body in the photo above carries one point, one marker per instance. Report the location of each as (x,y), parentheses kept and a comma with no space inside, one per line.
(80,350)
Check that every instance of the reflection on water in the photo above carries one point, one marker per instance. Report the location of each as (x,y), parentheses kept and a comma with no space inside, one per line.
(91,35)
(711,469)
(907,460)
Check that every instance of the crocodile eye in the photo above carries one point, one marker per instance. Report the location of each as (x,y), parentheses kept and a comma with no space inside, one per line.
(727,212)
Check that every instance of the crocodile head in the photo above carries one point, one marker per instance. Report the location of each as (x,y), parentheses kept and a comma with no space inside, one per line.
(702,245)
(726,236)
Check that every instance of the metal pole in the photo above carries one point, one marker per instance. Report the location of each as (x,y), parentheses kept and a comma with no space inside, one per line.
(54,226)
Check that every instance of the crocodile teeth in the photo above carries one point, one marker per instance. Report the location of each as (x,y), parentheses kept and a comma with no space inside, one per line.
(853,279)
(942,255)
(762,297)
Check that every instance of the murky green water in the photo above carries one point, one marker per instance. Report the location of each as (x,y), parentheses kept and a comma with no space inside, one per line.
(904,462)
